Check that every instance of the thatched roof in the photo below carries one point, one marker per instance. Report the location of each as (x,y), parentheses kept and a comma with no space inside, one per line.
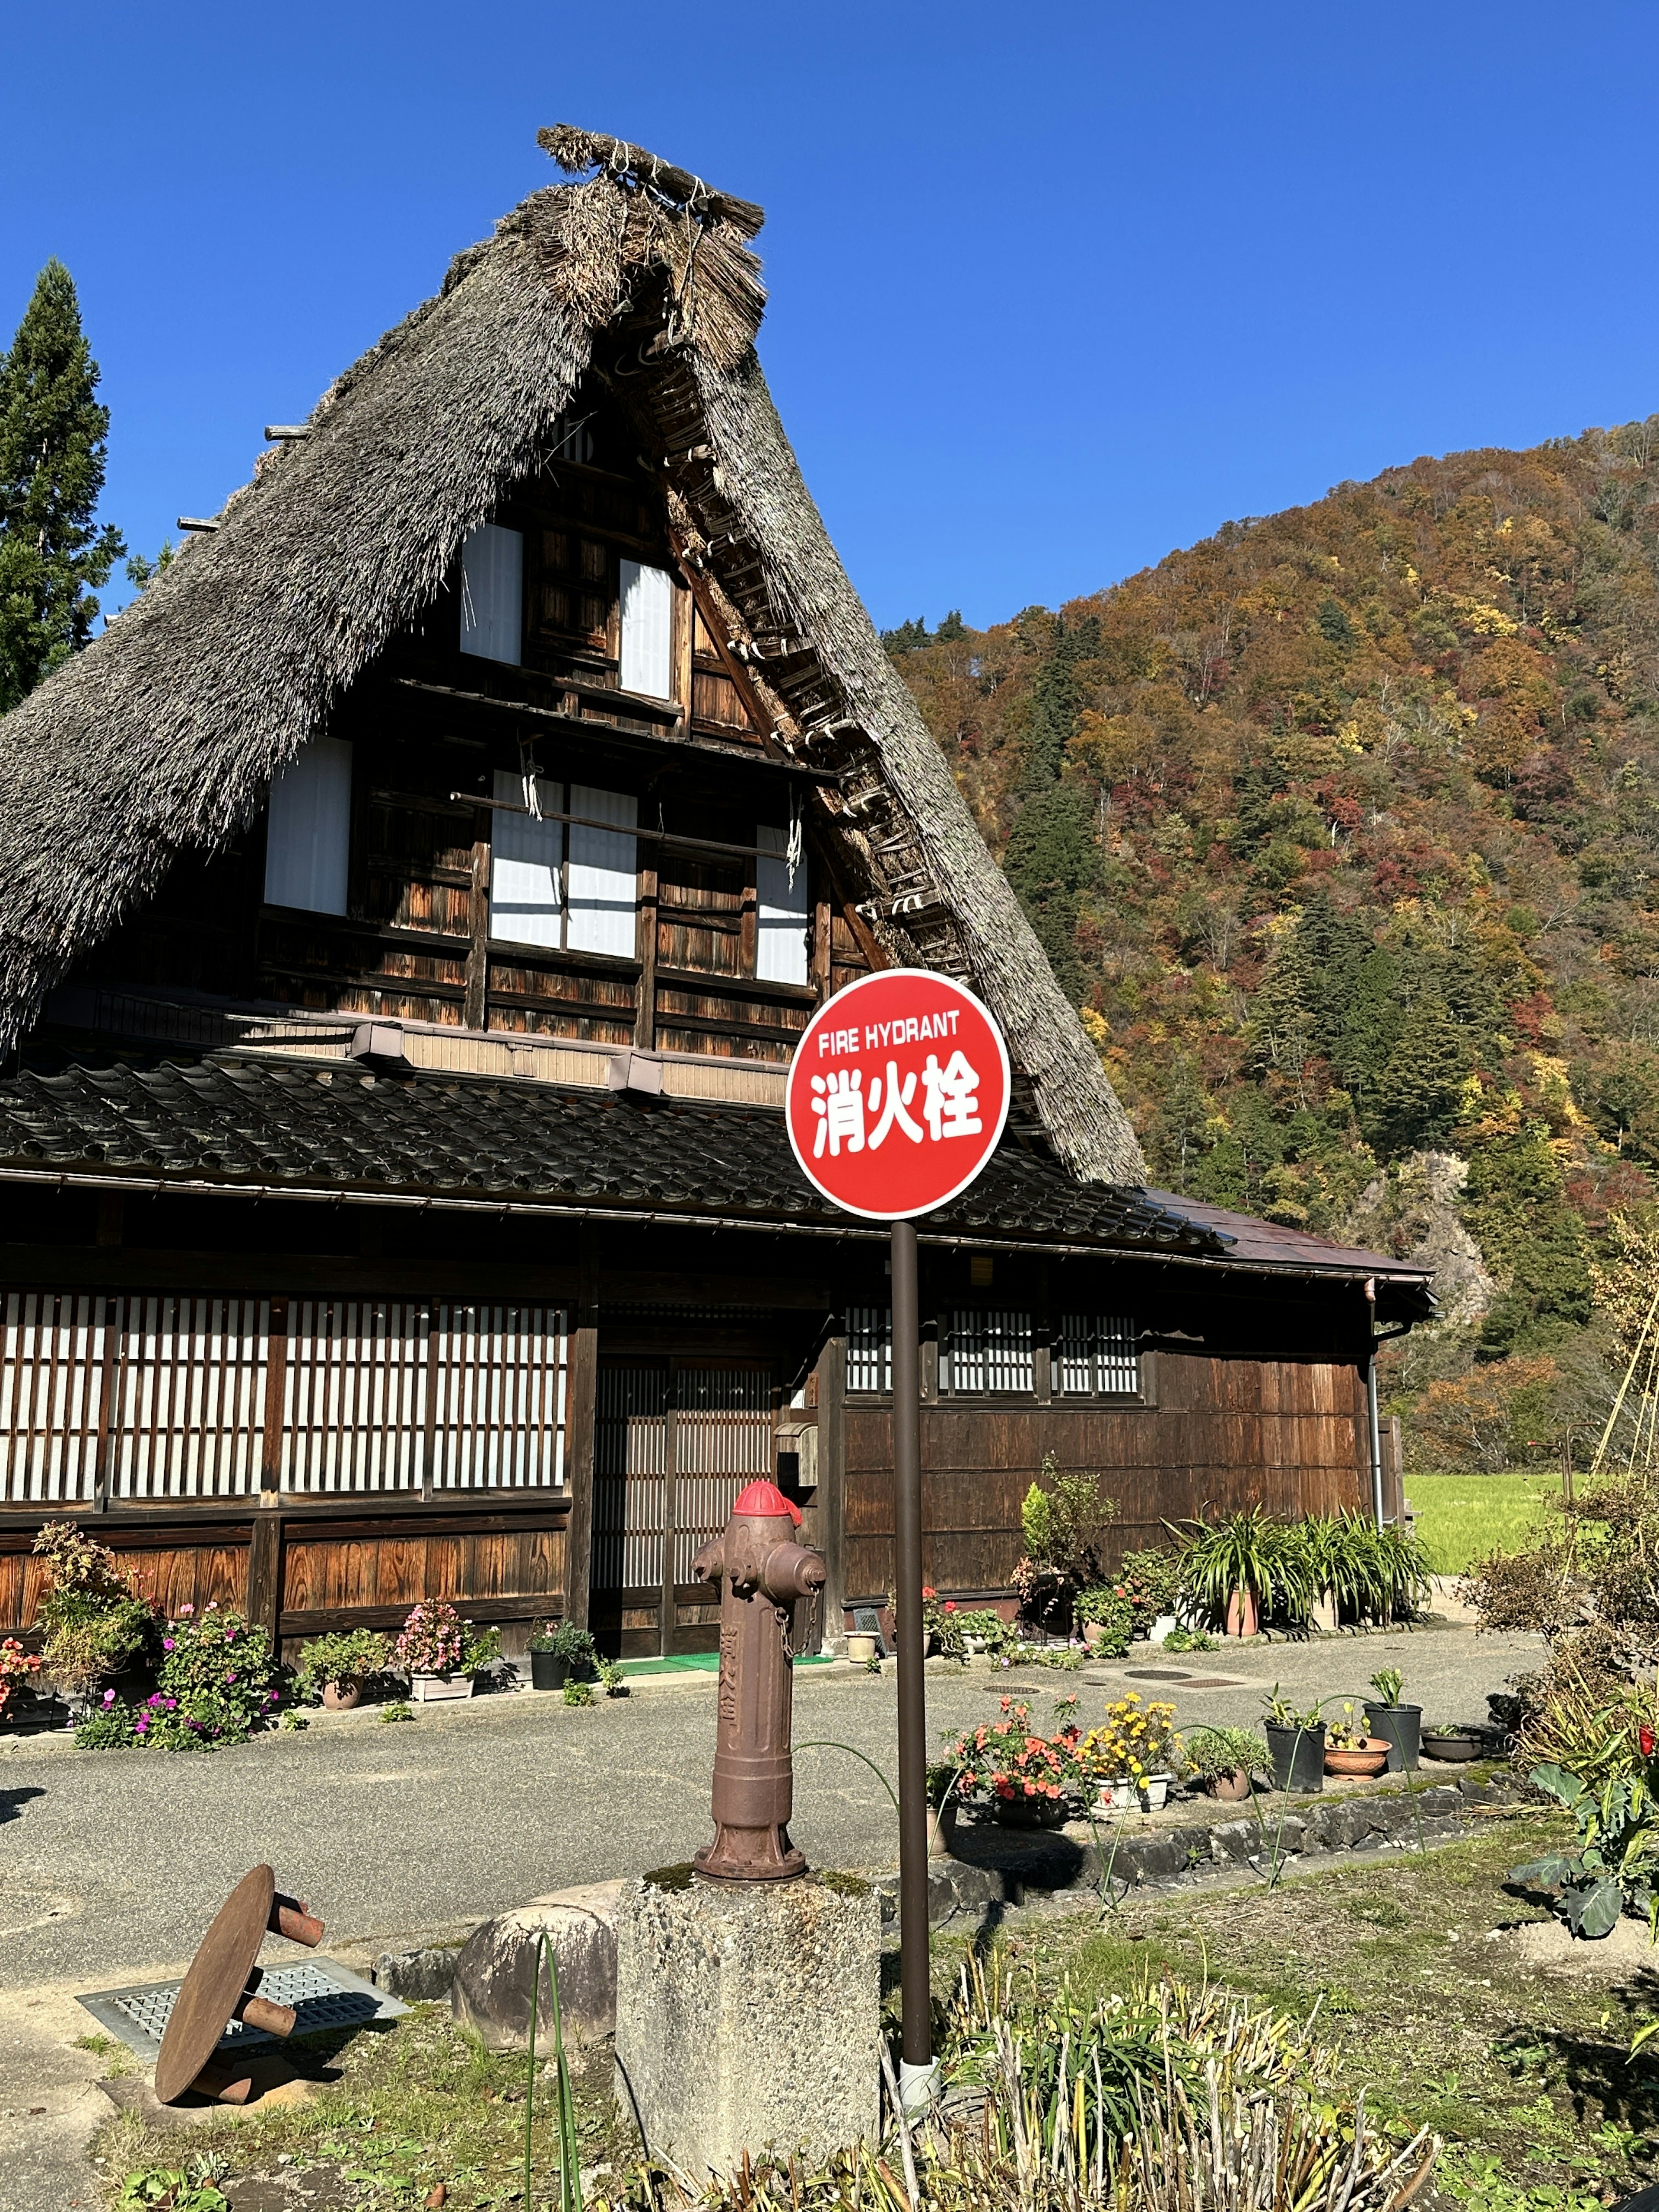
(162,737)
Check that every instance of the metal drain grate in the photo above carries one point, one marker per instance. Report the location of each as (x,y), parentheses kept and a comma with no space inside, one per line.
(322,1995)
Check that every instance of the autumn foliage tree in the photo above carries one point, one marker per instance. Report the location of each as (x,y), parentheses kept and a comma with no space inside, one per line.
(1342,830)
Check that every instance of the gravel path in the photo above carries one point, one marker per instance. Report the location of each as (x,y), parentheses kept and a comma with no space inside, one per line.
(112,1863)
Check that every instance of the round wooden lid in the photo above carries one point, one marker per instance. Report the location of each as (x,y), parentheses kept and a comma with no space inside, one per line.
(211,1991)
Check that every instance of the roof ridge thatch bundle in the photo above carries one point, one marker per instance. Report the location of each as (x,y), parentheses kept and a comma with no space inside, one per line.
(163,735)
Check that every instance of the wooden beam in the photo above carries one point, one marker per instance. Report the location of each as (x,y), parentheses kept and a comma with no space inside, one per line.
(264,1571)
(657,742)
(477,958)
(579,1429)
(831,1497)
(645,1008)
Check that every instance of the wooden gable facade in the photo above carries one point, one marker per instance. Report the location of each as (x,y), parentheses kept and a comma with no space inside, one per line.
(395,1196)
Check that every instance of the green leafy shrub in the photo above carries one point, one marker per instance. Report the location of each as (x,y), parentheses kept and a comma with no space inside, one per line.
(340,1660)
(216,1684)
(93,1622)
(110,1728)
(989,1628)
(191,2187)
(1152,1580)
(1248,1553)
(1107,1605)
(481,1648)
(1187,1639)
(1213,1750)
(572,1646)
(1612,1872)
(578,1693)
(1065,1520)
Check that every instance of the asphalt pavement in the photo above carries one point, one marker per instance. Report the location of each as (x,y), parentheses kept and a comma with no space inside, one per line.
(112,1863)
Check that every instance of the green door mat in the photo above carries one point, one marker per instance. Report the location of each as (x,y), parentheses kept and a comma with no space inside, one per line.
(705,1662)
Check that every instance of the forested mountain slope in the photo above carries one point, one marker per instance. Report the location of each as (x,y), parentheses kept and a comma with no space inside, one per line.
(1342,828)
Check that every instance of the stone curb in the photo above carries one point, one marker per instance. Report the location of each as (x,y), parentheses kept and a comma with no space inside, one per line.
(1037,1867)
(1019,1868)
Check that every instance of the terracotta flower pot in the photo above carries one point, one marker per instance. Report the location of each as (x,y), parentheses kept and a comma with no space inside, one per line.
(1370,1756)
(1244,1615)
(1233,1788)
(1094,1634)
(342,1696)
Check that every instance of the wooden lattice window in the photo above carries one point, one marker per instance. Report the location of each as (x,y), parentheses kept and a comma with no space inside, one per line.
(168,1395)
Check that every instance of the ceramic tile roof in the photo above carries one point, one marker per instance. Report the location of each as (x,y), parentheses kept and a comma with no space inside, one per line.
(233,1122)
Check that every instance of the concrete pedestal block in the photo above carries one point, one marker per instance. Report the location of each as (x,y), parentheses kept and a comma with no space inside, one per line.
(496,1969)
(747,2015)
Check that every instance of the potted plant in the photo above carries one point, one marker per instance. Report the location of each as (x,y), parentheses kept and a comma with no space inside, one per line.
(18,1669)
(94,1625)
(1151,1580)
(1296,1744)
(1133,1753)
(1222,1760)
(429,1651)
(1024,1779)
(1064,1519)
(557,1654)
(1401,1727)
(1351,1748)
(1240,1568)
(945,1785)
(333,1669)
(1106,1616)
(982,1630)
(1452,1741)
(861,1649)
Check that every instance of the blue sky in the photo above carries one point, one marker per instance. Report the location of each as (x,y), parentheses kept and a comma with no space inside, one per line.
(1055,290)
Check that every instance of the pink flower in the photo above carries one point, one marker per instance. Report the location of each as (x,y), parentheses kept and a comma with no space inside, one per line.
(167,1644)
(109,1696)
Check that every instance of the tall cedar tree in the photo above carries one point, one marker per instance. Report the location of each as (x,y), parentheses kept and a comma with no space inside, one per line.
(52,444)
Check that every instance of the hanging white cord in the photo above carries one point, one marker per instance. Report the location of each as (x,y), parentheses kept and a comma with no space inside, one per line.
(527,776)
(794,851)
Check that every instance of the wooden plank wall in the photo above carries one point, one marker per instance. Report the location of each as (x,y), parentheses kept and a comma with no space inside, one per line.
(1223,1433)
(326,1573)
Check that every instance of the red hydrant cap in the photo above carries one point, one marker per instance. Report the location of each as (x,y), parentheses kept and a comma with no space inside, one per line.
(766,1498)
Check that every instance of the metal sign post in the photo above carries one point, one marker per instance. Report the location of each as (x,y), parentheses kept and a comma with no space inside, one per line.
(898,1092)
(916,2068)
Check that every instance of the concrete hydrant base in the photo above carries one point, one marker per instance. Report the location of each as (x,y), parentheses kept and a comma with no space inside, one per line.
(748,2015)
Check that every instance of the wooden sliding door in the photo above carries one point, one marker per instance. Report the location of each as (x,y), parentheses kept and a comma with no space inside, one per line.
(674,1442)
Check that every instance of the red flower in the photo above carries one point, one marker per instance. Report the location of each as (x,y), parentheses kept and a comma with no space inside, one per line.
(1644,1736)
(950,1605)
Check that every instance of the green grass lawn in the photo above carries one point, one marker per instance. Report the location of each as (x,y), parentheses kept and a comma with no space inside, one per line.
(1462,1517)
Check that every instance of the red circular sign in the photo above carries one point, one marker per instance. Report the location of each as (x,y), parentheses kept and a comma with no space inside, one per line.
(898,1091)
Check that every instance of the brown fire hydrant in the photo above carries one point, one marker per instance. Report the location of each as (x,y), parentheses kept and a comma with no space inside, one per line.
(761,1572)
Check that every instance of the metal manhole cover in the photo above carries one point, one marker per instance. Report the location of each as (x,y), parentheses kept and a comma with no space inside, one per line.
(322,1994)
(1157,1674)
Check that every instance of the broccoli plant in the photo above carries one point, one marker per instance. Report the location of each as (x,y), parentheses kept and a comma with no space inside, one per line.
(1613,1868)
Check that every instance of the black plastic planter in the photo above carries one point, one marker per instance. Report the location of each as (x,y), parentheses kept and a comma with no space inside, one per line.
(1401,1727)
(548,1671)
(1298,1758)
(1456,1746)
